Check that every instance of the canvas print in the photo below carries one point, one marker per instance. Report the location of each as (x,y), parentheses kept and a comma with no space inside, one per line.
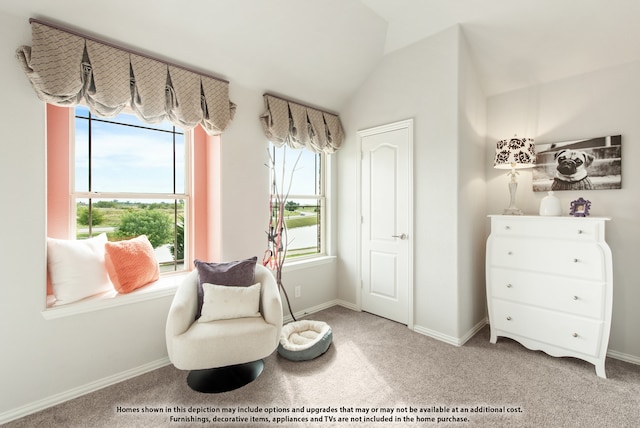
(589,164)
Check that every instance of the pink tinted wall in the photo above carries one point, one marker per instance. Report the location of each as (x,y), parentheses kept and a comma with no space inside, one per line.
(58,205)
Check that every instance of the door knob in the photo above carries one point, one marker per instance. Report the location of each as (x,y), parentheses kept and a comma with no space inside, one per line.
(402,236)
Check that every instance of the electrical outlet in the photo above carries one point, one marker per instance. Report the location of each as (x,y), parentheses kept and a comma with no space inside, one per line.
(298,291)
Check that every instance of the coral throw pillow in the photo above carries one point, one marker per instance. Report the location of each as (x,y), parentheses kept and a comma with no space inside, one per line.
(131,264)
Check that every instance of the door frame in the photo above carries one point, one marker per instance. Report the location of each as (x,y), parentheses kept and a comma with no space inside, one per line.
(403,124)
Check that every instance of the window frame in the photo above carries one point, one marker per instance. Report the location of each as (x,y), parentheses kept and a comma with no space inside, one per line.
(203,163)
(75,195)
(322,196)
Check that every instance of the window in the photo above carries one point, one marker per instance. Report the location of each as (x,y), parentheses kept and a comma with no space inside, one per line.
(130,178)
(299,175)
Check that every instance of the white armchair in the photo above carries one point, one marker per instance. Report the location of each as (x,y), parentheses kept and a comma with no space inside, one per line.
(224,354)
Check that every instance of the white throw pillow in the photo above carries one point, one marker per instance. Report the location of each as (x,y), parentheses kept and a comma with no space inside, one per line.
(222,302)
(76,268)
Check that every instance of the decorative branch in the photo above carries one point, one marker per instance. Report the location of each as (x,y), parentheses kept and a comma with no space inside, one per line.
(277,239)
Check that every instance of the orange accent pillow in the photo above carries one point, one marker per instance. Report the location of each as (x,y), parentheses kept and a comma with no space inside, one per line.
(131,264)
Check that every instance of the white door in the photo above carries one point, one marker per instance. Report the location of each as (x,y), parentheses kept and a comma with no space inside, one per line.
(386,191)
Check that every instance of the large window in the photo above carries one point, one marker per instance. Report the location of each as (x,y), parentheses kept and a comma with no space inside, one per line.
(299,175)
(130,179)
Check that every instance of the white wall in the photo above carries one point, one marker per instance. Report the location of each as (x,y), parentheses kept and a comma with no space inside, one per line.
(591,105)
(422,82)
(43,361)
(472,206)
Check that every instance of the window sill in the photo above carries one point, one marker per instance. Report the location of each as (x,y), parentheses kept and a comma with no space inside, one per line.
(307,263)
(165,286)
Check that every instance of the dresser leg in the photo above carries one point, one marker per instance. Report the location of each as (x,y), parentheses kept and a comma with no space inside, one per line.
(600,370)
(494,337)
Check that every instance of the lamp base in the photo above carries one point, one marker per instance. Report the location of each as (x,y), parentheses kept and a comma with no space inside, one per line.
(513,186)
(512,211)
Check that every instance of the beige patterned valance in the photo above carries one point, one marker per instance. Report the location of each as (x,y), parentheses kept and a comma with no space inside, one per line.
(297,125)
(66,68)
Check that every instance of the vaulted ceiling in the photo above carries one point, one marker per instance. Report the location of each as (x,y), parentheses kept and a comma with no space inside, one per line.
(320,51)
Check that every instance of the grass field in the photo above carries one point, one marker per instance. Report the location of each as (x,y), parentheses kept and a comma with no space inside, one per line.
(113,210)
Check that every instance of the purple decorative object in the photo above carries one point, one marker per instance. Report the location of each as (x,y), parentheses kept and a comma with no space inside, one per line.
(580,207)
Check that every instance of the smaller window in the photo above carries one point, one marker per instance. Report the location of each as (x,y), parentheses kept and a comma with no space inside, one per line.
(297,175)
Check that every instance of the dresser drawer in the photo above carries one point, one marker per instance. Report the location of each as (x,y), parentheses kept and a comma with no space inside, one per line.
(577,229)
(572,259)
(578,297)
(565,331)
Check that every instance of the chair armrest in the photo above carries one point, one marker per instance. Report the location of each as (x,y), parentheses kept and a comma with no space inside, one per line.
(182,312)
(271,302)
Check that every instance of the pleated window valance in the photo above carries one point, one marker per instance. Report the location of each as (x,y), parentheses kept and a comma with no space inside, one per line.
(66,68)
(298,126)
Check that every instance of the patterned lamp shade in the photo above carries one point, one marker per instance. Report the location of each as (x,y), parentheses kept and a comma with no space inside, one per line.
(515,153)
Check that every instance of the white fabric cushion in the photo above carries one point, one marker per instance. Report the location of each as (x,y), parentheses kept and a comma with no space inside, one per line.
(303,334)
(222,302)
(76,268)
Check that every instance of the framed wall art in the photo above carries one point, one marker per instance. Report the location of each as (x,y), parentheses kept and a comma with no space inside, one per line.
(589,164)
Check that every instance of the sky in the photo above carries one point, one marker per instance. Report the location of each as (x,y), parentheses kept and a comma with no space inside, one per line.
(299,171)
(127,159)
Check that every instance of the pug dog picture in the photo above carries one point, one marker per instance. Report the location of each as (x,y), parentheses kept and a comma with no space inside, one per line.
(589,164)
(572,170)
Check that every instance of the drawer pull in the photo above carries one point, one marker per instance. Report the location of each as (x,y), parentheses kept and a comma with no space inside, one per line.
(507,228)
(509,285)
(575,334)
(576,260)
(580,232)
(510,253)
(575,297)
(508,318)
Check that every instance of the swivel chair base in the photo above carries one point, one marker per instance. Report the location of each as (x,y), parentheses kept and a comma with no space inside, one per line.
(224,379)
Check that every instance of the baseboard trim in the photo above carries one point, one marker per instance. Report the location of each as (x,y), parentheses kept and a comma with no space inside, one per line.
(451,340)
(321,307)
(627,358)
(475,329)
(348,305)
(311,310)
(70,394)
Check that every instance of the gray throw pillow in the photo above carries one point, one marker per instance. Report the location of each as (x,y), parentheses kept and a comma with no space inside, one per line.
(240,272)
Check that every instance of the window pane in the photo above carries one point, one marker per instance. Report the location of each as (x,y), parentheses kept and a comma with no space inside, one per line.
(82,111)
(131,160)
(303,219)
(304,179)
(162,221)
(81,155)
(128,159)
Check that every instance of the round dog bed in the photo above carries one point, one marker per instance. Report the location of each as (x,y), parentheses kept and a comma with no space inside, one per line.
(304,340)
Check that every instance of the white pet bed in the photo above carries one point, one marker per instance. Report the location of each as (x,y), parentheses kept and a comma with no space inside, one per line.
(304,340)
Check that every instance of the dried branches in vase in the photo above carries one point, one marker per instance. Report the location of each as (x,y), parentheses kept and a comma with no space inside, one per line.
(277,240)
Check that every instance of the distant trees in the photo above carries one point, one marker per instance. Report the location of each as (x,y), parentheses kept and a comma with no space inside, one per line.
(178,250)
(97,216)
(291,206)
(158,226)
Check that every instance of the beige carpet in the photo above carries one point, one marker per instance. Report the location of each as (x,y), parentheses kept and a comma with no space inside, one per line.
(377,373)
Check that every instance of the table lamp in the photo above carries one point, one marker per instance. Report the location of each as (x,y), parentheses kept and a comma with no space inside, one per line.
(513,154)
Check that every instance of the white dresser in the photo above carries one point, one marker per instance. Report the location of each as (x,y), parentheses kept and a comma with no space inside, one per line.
(549,285)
